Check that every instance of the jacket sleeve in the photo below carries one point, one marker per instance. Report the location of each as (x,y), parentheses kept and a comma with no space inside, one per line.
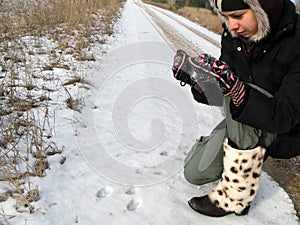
(277,114)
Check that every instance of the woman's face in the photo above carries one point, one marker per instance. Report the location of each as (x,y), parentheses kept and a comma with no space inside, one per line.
(242,22)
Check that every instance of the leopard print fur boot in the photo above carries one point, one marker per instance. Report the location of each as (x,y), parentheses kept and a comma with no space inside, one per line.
(238,186)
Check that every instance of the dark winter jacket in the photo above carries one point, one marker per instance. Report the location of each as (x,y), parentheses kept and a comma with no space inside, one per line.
(271,61)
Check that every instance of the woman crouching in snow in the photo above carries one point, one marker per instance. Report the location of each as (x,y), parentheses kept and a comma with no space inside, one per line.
(258,74)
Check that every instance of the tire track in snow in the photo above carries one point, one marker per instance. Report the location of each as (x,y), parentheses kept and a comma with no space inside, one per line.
(197,32)
(175,39)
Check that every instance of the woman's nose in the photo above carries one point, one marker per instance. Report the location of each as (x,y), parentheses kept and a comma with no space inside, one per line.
(232,24)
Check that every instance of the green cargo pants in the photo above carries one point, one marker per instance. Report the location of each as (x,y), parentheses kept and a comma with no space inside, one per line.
(204,163)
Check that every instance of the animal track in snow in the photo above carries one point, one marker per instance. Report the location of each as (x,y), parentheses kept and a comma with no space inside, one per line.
(130,191)
(164,153)
(159,172)
(138,171)
(105,192)
(134,204)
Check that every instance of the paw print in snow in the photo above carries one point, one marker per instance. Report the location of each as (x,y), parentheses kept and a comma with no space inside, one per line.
(134,204)
(130,191)
(105,192)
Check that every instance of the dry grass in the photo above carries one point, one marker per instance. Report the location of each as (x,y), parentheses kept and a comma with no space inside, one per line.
(202,16)
(27,118)
(38,16)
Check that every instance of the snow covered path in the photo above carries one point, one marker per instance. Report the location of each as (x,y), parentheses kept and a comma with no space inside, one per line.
(125,158)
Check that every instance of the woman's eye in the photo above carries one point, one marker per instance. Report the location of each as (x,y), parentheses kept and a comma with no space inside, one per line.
(237,16)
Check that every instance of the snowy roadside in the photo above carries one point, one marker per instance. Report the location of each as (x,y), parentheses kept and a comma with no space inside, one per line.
(125,148)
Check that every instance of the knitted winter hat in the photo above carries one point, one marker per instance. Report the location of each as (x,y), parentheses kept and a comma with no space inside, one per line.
(230,5)
(261,14)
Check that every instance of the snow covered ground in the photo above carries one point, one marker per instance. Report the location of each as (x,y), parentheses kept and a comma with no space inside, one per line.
(125,150)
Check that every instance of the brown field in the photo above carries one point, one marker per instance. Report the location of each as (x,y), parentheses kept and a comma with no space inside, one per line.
(204,17)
